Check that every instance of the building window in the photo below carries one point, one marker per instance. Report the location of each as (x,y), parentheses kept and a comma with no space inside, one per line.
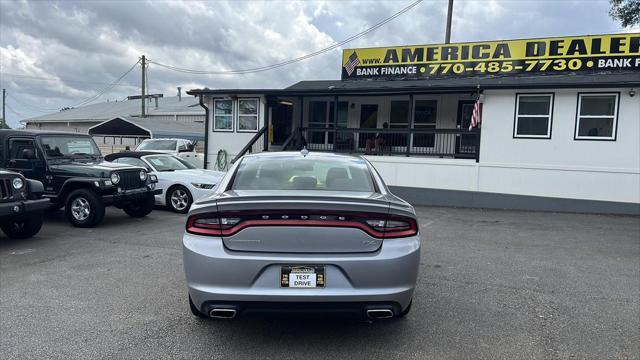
(597,116)
(222,115)
(398,119)
(248,115)
(399,114)
(321,115)
(424,117)
(533,116)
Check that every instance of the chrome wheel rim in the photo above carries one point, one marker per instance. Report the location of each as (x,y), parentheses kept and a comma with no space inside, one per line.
(179,199)
(80,209)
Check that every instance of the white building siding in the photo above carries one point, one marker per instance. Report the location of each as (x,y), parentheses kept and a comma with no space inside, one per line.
(230,141)
(558,167)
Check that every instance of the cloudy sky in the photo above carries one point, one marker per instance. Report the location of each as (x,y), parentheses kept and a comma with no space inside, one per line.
(58,53)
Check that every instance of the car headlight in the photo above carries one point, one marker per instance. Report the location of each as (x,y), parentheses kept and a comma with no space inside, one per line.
(17,183)
(143,175)
(203,186)
(153,178)
(115,178)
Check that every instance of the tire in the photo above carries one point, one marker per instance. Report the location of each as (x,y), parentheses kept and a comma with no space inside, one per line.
(23,229)
(179,199)
(194,309)
(140,208)
(84,208)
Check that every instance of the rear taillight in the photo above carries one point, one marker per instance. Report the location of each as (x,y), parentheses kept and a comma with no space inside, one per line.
(394,227)
(230,223)
(210,224)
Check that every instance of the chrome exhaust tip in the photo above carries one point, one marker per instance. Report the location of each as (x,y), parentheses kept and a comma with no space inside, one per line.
(376,314)
(223,313)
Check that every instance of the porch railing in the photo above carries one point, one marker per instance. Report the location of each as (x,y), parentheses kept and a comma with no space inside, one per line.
(258,143)
(453,143)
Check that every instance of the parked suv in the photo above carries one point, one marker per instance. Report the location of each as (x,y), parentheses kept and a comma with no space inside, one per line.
(75,176)
(21,205)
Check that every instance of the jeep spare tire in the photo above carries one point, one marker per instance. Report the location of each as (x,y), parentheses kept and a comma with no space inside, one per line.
(84,208)
(140,207)
(23,229)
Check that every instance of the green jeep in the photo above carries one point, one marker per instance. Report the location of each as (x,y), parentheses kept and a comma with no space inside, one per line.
(74,175)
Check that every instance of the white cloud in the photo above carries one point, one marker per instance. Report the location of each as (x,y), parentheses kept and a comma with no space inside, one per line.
(94,42)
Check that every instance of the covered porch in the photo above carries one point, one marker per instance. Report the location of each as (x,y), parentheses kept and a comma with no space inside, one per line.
(408,125)
(423,125)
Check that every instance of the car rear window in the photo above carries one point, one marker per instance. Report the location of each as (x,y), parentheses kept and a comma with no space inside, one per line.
(334,174)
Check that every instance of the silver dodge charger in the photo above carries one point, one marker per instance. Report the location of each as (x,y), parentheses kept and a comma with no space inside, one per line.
(300,231)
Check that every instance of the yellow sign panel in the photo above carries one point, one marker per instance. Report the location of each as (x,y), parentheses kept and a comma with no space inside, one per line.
(550,55)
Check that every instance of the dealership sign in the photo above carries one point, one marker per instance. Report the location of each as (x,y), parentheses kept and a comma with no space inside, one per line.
(511,57)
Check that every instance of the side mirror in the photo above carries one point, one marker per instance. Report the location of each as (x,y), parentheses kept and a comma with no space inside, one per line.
(28,154)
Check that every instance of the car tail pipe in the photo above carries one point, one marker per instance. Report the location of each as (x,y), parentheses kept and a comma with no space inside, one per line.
(223,313)
(379,314)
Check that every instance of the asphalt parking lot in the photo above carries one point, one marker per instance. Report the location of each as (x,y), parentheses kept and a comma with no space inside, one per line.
(493,284)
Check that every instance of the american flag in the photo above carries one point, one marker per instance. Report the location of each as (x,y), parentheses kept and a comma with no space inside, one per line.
(476,116)
(352,63)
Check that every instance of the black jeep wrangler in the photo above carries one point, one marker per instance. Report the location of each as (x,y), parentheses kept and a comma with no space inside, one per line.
(21,205)
(75,176)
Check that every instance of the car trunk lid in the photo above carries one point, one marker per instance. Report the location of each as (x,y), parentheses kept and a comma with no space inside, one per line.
(304,221)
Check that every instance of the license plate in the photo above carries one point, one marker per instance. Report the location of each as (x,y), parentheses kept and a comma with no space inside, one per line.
(302,276)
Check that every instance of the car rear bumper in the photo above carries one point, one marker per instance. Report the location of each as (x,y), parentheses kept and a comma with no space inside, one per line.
(16,209)
(216,275)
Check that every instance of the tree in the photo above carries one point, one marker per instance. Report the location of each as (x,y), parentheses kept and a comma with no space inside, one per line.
(626,11)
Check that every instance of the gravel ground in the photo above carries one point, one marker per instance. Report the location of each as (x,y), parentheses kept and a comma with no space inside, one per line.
(493,284)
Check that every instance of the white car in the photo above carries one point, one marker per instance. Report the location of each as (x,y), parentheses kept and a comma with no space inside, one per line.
(180,181)
(182,148)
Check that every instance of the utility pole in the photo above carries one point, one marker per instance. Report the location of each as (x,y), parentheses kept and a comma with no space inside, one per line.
(144,78)
(4,101)
(447,37)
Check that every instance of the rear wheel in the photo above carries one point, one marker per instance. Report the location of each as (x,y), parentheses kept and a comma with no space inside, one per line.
(141,208)
(84,208)
(194,310)
(23,229)
(179,199)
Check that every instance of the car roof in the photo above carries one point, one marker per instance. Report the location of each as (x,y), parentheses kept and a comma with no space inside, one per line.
(131,154)
(299,155)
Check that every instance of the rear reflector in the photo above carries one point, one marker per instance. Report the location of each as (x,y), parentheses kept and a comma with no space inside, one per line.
(381,226)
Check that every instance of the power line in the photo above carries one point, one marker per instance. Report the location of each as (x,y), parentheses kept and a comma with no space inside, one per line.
(84,101)
(290,61)
(24,76)
(31,107)
(105,89)
(15,112)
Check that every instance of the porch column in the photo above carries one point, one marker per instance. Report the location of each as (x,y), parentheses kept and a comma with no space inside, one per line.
(410,123)
(266,142)
(335,121)
(300,134)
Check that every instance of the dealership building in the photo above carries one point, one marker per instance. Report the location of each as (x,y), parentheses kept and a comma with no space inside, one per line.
(559,121)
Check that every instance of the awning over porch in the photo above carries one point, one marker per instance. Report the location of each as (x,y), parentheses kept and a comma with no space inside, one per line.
(148,128)
(444,85)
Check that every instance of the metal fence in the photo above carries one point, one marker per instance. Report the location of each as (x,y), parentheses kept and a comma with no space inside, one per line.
(454,143)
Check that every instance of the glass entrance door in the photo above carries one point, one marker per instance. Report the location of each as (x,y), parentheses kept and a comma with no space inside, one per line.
(465,144)
(368,120)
